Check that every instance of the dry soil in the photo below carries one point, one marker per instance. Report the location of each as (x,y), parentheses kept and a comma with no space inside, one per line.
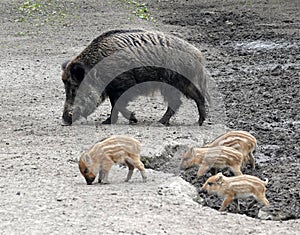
(252,52)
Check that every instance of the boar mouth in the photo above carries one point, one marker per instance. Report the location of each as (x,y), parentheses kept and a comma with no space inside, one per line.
(202,190)
(89,181)
(71,116)
(67,119)
(183,168)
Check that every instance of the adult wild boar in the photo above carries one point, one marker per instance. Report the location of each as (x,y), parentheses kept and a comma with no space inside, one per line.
(123,64)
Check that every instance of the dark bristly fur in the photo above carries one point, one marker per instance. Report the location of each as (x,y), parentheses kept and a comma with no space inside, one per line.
(155,68)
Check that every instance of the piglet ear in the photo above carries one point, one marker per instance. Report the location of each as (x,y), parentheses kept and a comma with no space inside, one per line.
(192,152)
(219,178)
(86,158)
(77,71)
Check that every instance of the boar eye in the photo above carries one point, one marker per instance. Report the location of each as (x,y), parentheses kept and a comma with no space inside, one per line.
(85,171)
(210,183)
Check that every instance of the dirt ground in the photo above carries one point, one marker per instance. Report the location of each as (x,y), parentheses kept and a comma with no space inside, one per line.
(252,52)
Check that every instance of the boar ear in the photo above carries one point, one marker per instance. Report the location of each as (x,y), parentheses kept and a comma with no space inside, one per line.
(87,159)
(64,65)
(219,178)
(77,71)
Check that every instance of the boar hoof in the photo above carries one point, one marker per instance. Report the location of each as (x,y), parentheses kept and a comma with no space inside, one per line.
(107,121)
(65,123)
(200,121)
(105,182)
(132,119)
(132,122)
(164,122)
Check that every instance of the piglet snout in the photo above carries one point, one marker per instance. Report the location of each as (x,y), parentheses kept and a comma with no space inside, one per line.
(202,190)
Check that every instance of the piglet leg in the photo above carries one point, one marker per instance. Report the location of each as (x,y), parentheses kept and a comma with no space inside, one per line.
(226,202)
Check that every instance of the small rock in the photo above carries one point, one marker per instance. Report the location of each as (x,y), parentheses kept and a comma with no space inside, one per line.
(264,215)
(34,167)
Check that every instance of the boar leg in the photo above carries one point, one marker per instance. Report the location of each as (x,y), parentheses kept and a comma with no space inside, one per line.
(101,175)
(202,113)
(140,166)
(106,166)
(236,171)
(251,204)
(113,113)
(226,202)
(202,170)
(104,179)
(252,160)
(120,104)
(144,176)
(119,107)
(172,97)
(130,165)
(260,195)
(245,161)
(192,92)
(165,120)
(215,170)
(128,115)
(200,102)
(236,201)
(264,200)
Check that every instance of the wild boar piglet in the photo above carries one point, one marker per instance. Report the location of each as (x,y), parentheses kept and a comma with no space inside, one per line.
(242,141)
(236,187)
(217,157)
(115,149)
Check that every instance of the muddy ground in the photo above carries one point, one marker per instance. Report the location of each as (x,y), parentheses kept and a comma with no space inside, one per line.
(252,52)
(257,70)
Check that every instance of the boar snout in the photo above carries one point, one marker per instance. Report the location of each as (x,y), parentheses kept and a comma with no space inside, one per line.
(71,114)
(89,180)
(185,163)
(67,119)
(202,190)
(182,167)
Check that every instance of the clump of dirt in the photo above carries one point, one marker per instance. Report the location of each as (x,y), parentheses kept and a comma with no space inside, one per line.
(253,54)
